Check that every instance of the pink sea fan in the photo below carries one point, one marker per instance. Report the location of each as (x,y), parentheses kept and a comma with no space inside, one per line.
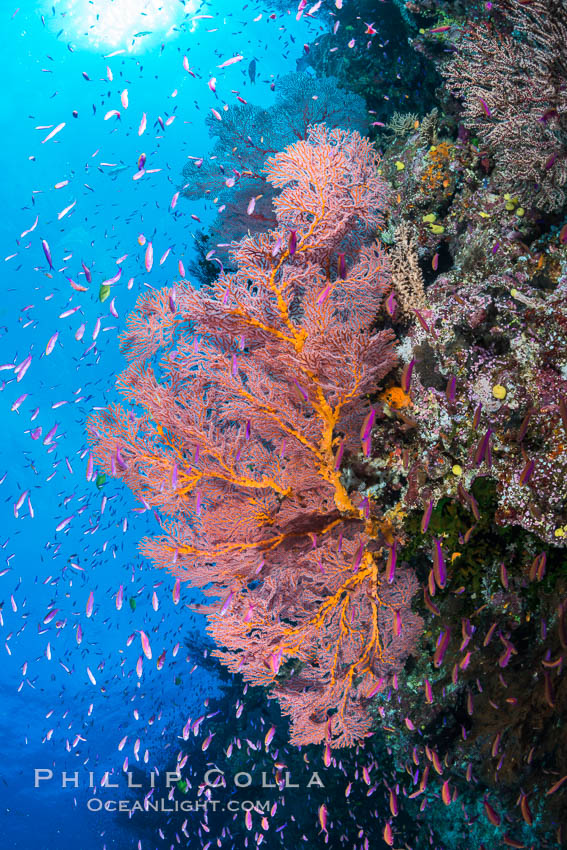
(243,396)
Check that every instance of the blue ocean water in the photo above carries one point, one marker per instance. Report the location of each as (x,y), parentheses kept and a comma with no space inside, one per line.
(52,715)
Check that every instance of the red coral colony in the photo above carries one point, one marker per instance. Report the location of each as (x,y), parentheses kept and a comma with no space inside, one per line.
(250,393)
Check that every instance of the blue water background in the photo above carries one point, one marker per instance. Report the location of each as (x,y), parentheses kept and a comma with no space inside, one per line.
(43,82)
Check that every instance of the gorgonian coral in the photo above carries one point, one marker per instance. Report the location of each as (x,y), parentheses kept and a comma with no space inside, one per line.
(250,394)
(247,134)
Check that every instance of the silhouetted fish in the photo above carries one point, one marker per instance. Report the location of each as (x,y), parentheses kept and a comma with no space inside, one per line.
(252,71)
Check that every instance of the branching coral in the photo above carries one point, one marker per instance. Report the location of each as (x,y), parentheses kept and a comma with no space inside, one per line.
(428,128)
(512,83)
(407,278)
